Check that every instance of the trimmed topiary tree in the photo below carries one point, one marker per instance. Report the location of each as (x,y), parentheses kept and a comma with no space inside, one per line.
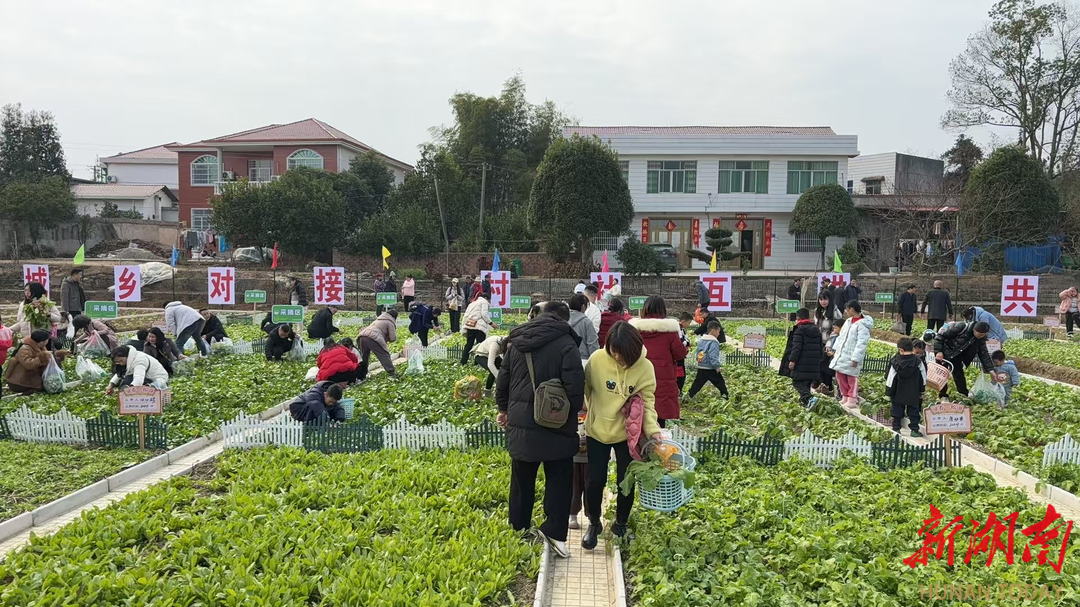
(717,239)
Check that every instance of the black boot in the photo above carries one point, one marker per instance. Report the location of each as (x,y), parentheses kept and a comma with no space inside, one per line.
(621,530)
(588,541)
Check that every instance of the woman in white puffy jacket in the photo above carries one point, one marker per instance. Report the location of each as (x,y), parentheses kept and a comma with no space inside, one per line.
(475,324)
(850,348)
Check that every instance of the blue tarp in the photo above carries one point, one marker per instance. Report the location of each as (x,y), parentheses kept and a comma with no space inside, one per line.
(1042,258)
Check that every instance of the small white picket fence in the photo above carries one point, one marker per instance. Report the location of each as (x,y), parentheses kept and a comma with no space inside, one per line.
(823,452)
(404,435)
(1064,451)
(247,431)
(61,427)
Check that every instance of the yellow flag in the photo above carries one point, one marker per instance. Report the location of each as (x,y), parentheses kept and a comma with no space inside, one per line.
(712,265)
(385,256)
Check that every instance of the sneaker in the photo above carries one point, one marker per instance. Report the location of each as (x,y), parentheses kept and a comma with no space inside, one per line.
(812,403)
(558,546)
(574,524)
(916,434)
(588,541)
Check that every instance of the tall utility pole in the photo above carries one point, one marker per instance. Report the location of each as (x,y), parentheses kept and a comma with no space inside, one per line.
(483,185)
(442,219)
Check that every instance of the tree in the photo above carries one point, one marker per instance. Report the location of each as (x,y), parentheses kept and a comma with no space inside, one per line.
(301,211)
(824,211)
(1009,199)
(41,204)
(1068,185)
(109,210)
(960,160)
(1022,70)
(578,190)
(30,147)
(717,239)
(370,168)
(638,258)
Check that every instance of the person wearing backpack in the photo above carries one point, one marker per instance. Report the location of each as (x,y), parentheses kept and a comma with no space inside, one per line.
(542,357)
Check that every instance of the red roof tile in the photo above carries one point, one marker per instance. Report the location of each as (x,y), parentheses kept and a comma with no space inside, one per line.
(157,154)
(604,131)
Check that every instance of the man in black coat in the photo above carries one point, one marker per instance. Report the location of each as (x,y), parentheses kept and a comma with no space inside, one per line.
(906,307)
(802,357)
(279,340)
(961,343)
(321,399)
(794,292)
(938,306)
(212,329)
(322,324)
(553,347)
(852,291)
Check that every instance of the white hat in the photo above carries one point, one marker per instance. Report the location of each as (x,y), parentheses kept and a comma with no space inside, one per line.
(455,281)
(579,289)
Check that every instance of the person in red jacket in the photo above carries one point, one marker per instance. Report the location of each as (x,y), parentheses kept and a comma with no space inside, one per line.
(663,347)
(615,312)
(338,364)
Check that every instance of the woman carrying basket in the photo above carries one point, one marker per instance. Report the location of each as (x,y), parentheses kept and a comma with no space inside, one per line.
(612,376)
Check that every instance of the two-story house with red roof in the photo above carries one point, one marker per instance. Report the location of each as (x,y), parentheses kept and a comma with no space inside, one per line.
(260,155)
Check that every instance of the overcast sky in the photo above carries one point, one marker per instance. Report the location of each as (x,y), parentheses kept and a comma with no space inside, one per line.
(125,74)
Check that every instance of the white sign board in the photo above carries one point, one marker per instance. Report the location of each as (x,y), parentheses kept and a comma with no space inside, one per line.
(127,283)
(142,400)
(606,280)
(221,286)
(719,286)
(947,418)
(33,272)
(839,279)
(754,341)
(329,286)
(1052,322)
(500,287)
(1019,295)
(993,345)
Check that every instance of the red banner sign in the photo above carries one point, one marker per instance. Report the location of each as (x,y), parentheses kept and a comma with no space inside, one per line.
(766,247)
(645,230)
(716,223)
(695,231)
(670,226)
(740,225)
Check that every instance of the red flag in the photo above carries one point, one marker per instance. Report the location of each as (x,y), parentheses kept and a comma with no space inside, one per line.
(273,266)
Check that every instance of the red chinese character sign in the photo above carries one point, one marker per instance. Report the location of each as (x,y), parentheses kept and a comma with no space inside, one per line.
(329,286)
(670,227)
(1019,295)
(719,286)
(740,225)
(33,272)
(606,280)
(716,223)
(645,230)
(127,283)
(695,231)
(500,288)
(838,279)
(766,247)
(221,285)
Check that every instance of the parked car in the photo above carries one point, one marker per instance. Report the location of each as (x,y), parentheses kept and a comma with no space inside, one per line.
(668,254)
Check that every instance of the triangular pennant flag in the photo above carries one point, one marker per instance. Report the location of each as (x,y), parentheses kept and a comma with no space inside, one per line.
(175,256)
(80,256)
(603,260)
(273,264)
(712,264)
(495,262)
(836,265)
(385,256)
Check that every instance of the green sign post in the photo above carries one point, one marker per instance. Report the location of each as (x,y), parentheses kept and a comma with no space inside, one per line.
(289,314)
(385,299)
(102,309)
(520,302)
(255,297)
(883,298)
(787,306)
(637,303)
(496,315)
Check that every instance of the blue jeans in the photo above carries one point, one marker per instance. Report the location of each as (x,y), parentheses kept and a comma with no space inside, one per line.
(194,330)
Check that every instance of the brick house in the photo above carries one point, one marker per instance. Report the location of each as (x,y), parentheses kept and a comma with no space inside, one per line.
(260,155)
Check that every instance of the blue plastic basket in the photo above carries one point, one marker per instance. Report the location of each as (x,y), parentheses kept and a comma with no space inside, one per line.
(670,494)
(349,405)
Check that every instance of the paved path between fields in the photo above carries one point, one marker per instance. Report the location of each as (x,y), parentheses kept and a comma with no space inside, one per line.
(588,577)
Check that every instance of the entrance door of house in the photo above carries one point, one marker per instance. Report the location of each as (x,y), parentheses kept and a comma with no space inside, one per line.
(679,238)
(746,240)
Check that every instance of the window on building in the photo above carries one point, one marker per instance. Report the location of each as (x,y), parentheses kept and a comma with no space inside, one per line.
(873,186)
(807,243)
(205,170)
(200,219)
(850,187)
(624,168)
(305,158)
(260,170)
(672,176)
(804,174)
(750,176)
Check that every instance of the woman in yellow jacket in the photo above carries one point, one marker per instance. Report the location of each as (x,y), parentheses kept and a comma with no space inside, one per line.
(612,376)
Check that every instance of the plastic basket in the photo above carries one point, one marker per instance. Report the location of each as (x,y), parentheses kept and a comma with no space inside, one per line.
(349,405)
(670,494)
(938,375)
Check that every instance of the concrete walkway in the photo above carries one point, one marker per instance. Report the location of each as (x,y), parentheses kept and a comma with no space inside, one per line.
(588,577)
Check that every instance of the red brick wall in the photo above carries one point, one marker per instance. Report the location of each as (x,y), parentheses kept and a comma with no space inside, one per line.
(191,197)
(238,162)
(282,152)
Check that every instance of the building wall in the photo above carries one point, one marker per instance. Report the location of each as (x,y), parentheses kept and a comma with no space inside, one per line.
(237,162)
(191,197)
(918,174)
(150,208)
(145,174)
(873,165)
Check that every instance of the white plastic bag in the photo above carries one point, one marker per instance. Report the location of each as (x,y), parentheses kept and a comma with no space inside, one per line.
(416,363)
(88,370)
(94,346)
(312,374)
(986,392)
(52,379)
(222,346)
(297,352)
(71,330)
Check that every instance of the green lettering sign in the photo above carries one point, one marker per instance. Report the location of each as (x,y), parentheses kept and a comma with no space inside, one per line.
(102,309)
(289,314)
(496,315)
(255,296)
(520,302)
(787,306)
(637,303)
(385,299)
(886,298)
